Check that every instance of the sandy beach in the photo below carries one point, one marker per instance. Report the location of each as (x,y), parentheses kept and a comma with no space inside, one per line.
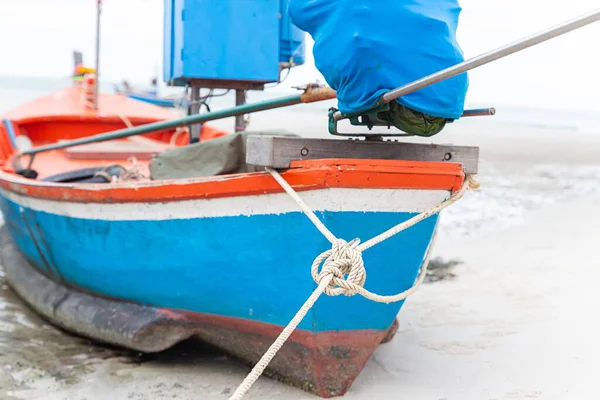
(516,321)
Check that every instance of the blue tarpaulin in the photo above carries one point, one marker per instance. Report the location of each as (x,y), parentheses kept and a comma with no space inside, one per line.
(364,48)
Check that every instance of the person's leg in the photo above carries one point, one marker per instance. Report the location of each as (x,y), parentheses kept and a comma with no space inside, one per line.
(414,122)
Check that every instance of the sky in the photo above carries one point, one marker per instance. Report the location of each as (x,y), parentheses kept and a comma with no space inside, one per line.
(37,38)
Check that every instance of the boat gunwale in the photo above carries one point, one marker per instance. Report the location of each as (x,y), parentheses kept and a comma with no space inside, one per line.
(87,118)
(302,175)
(146,113)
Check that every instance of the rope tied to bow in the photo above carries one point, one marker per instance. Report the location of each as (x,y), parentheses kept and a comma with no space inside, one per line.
(343,270)
(342,259)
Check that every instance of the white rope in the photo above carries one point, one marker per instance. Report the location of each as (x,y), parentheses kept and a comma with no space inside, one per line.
(125,120)
(344,258)
(311,215)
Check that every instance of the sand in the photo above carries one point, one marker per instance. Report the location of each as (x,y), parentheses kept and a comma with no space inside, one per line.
(516,322)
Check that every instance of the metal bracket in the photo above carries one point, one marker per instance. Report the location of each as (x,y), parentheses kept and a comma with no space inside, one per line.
(278,152)
(368,118)
(372,117)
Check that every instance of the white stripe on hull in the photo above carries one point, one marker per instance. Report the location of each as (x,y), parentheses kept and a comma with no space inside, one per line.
(332,199)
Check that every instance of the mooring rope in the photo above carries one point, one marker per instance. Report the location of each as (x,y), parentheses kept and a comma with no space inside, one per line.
(344,258)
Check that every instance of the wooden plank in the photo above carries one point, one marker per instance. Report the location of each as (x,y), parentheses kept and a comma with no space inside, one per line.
(278,152)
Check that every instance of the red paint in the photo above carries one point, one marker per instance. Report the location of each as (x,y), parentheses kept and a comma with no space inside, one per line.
(63,115)
(324,363)
(67,104)
(89,90)
(6,149)
(345,173)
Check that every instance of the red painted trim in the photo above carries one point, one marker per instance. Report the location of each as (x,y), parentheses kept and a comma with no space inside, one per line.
(66,105)
(324,363)
(306,175)
(360,337)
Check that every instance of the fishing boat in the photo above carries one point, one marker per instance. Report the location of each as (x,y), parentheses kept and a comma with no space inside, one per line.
(211,239)
(148,263)
(64,115)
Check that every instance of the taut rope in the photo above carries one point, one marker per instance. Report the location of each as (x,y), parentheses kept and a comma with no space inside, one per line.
(344,258)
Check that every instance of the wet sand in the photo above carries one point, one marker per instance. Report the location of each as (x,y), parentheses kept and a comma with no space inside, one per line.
(513,320)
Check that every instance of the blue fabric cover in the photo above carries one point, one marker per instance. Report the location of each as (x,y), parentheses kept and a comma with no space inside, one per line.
(364,48)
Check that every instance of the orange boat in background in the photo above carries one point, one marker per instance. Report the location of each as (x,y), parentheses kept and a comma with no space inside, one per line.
(66,114)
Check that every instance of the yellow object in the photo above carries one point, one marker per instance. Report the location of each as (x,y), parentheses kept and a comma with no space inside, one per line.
(84,70)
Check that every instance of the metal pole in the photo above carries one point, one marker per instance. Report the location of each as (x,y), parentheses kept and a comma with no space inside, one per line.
(99,10)
(240,99)
(493,55)
(171,124)
(479,112)
(195,110)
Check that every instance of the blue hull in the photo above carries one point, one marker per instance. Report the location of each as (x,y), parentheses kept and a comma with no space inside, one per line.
(254,268)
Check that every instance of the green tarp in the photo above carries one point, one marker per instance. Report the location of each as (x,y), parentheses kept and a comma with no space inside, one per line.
(223,155)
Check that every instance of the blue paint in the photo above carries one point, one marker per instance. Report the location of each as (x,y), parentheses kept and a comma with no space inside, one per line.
(162,102)
(168,45)
(255,267)
(292,40)
(363,48)
(23,229)
(228,40)
(11,132)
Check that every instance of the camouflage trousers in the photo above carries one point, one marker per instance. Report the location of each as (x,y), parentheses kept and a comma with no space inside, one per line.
(414,122)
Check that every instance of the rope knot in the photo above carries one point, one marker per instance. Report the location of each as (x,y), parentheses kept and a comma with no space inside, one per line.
(345,265)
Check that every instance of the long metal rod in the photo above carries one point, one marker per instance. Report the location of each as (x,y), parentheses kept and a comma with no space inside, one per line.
(327,93)
(496,54)
(98,11)
(479,112)
(488,57)
(165,125)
